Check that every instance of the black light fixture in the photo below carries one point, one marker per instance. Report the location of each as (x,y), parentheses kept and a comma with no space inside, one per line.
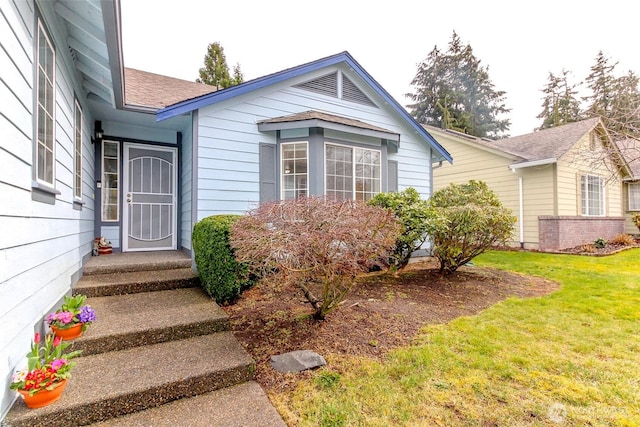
(97,132)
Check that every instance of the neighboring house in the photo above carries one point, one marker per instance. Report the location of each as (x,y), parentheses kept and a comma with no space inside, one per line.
(90,148)
(562,184)
(630,149)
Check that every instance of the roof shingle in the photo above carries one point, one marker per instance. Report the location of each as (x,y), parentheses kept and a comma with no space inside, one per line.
(145,89)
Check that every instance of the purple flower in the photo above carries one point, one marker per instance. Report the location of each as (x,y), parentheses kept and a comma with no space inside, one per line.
(87,314)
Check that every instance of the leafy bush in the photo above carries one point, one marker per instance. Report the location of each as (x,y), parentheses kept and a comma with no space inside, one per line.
(319,245)
(221,276)
(623,239)
(466,220)
(636,219)
(600,243)
(412,213)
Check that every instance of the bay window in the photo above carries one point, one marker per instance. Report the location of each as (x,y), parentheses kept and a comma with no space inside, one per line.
(294,169)
(351,172)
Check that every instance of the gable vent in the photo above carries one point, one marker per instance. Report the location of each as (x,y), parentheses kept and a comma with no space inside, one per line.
(350,92)
(325,85)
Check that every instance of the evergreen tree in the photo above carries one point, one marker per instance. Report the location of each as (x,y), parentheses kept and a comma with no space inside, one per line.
(615,99)
(601,82)
(215,71)
(453,91)
(559,104)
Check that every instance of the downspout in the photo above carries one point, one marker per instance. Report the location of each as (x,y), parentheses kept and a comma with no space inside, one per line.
(520,207)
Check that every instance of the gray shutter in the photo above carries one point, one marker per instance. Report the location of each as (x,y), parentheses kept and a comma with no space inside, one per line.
(392,182)
(268,172)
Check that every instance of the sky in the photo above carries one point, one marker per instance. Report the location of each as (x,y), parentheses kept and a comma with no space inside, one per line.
(520,42)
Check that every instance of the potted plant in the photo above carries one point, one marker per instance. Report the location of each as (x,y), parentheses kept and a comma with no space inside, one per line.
(72,318)
(48,369)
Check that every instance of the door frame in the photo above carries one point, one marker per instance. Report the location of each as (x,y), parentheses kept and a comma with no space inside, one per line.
(125,189)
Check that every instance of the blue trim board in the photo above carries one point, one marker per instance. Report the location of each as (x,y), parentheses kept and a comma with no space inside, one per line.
(268,80)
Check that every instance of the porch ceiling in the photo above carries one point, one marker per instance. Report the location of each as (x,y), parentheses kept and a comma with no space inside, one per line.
(82,30)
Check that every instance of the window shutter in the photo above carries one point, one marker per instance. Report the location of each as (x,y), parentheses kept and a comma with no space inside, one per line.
(267,172)
(392,182)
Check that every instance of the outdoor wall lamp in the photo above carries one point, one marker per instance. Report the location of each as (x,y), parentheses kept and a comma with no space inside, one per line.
(97,132)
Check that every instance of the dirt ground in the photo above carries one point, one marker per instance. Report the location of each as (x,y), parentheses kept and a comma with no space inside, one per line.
(383,311)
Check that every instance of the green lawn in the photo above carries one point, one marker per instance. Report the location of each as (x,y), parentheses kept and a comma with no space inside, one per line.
(571,358)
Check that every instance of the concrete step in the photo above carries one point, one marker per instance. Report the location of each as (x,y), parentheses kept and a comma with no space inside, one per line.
(117,383)
(136,261)
(126,321)
(119,283)
(243,405)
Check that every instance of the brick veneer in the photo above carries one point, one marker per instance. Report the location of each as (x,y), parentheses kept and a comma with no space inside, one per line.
(562,232)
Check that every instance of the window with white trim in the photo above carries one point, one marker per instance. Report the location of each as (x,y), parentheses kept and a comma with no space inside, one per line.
(592,195)
(44,115)
(351,172)
(110,173)
(634,196)
(294,169)
(77,150)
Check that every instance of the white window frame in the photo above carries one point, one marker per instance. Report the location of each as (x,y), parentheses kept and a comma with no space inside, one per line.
(631,187)
(41,119)
(584,189)
(354,177)
(105,189)
(77,151)
(283,171)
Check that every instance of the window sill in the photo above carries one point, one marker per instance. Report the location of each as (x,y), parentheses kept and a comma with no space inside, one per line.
(45,188)
(78,204)
(43,193)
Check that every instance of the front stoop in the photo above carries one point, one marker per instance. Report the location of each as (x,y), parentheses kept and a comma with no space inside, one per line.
(155,358)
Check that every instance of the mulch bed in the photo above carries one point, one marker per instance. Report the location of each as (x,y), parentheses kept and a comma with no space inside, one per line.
(384,311)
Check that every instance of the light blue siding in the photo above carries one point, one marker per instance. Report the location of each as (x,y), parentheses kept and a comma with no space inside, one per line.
(228,141)
(42,244)
(186,225)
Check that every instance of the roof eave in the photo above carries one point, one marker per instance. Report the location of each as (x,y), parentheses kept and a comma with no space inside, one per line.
(113,35)
(531,163)
(259,83)
(309,123)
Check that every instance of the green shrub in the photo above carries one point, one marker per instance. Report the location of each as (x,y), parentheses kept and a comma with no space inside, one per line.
(221,276)
(600,243)
(466,220)
(412,213)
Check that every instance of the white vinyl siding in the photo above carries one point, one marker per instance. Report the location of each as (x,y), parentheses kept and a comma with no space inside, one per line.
(593,197)
(45,92)
(294,167)
(77,152)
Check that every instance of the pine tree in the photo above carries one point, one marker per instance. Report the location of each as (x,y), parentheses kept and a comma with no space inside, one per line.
(215,71)
(453,91)
(559,104)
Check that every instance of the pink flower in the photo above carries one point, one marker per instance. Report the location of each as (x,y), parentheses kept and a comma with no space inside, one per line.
(56,341)
(36,338)
(65,317)
(57,364)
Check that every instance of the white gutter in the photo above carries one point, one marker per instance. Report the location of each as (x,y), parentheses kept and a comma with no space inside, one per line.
(540,162)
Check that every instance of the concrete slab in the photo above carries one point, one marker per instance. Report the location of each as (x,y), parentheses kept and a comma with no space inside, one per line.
(243,405)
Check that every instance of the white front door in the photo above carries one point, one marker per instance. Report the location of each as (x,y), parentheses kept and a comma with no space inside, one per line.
(149,178)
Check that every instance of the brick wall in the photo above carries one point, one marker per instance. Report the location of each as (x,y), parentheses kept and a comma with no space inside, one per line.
(562,232)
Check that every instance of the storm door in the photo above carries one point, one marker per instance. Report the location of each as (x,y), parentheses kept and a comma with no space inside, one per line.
(149,182)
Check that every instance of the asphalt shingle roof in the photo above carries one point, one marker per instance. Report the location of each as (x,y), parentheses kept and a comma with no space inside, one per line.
(544,144)
(142,88)
(331,118)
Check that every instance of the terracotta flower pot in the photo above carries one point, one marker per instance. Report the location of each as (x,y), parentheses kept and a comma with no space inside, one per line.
(68,334)
(43,397)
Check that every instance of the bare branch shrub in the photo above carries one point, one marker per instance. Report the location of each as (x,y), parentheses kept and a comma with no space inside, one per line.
(319,245)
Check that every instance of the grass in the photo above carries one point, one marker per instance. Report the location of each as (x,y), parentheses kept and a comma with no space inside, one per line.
(571,358)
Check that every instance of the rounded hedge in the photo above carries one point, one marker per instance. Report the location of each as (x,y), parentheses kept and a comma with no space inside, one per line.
(221,276)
